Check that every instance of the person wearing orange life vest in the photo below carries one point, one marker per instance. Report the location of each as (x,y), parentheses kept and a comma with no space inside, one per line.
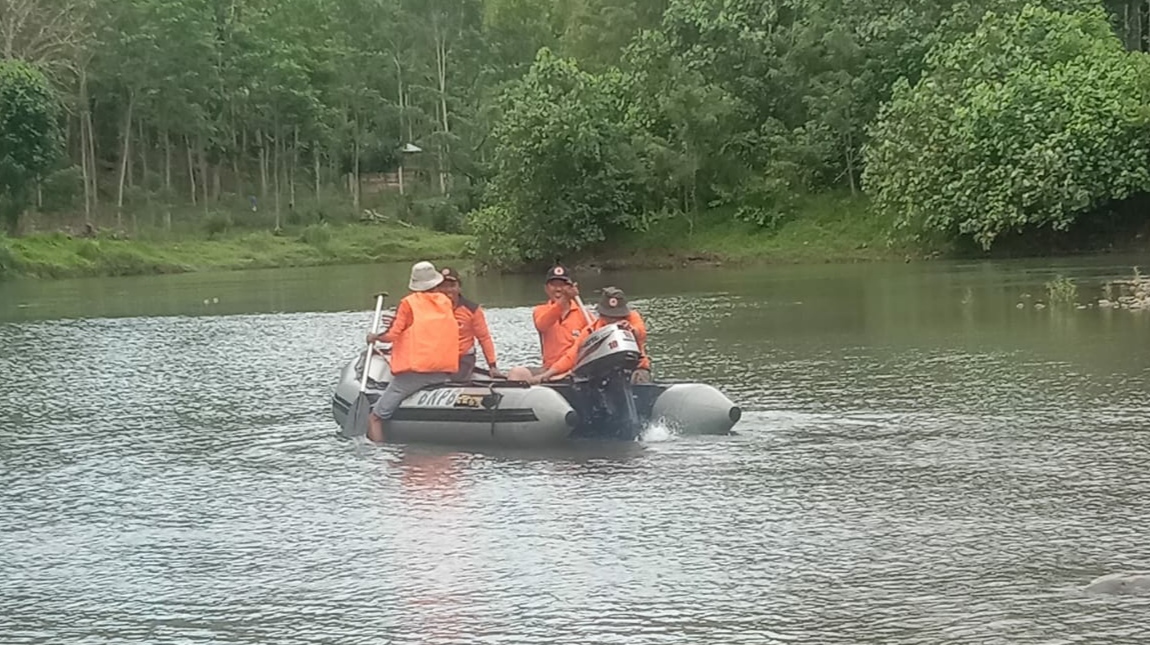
(612,309)
(472,326)
(560,322)
(421,354)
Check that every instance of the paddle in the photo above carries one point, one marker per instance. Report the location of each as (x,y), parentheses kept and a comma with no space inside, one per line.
(356,418)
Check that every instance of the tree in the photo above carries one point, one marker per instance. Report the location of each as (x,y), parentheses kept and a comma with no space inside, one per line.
(1034,118)
(30,139)
(565,171)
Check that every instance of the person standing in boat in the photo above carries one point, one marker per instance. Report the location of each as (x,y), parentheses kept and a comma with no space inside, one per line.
(613,309)
(560,322)
(419,354)
(472,326)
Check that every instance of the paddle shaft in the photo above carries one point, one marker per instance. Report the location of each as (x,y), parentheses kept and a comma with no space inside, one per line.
(586,311)
(371,346)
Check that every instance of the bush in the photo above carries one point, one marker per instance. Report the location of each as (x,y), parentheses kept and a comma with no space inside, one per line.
(1030,121)
(317,235)
(63,190)
(7,259)
(437,213)
(216,224)
(494,243)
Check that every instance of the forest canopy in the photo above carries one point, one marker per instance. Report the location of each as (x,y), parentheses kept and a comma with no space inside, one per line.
(547,127)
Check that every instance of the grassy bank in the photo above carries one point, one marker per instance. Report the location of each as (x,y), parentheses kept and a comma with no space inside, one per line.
(55,255)
(831,227)
(824,228)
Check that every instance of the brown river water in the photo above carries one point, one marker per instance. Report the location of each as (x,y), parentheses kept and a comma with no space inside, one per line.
(920,460)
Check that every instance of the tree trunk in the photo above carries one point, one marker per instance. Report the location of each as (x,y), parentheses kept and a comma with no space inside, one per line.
(236,152)
(191,168)
(167,162)
(291,173)
(850,164)
(124,163)
(1128,18)
(203,156)
(1141,12)
(84,149)
(399,87)
(315,161)
(355,172)
(132,163)
(142,144)
(263,163)
(276,168)
(441,69)
(92,158)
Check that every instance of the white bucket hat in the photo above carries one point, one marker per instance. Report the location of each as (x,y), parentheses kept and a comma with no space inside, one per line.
(424,277)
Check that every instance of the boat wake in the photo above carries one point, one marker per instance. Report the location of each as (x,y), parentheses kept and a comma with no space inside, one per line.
(658,431)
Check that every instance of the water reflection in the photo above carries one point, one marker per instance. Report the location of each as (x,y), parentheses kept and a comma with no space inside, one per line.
(429,474)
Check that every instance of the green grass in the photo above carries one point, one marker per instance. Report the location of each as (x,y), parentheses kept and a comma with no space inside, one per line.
(55,255)
(830,227)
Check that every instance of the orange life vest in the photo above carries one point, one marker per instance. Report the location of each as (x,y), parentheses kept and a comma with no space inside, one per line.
(425,335)
(559,331)
(473,327)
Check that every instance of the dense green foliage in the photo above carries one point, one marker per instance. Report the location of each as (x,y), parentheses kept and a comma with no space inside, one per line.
(564,171)
(746,105)
(1031,120)
(29,134)
(549,127)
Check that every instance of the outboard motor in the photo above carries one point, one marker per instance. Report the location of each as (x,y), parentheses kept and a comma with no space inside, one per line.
(602,372)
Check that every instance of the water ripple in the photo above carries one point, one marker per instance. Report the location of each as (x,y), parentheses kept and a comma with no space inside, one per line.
(175,480)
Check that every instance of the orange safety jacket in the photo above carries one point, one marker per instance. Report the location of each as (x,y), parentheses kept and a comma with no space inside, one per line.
(420,334)
(567,362)
(472,327)
(558,330)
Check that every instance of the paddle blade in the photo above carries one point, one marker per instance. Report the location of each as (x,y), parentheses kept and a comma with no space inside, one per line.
(355,425)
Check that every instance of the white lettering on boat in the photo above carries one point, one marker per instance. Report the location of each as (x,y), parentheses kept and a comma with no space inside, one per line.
(440,398)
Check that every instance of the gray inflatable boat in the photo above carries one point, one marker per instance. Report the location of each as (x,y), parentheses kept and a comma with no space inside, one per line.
(598,401)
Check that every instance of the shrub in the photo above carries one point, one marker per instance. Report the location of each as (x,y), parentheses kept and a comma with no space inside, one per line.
(1031,120)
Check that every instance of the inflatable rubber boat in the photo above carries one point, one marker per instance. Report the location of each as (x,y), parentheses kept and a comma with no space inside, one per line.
(597,401)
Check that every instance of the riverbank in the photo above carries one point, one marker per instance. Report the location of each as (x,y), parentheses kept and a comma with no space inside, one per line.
(56,255)
(843,228)
(827,228)
(824,228)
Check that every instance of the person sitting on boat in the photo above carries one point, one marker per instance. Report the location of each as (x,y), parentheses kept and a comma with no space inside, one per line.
(560,322)
(472,326)
(612,309)
(420,356)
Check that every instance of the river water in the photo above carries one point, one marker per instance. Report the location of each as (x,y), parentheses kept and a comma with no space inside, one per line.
(924,457)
